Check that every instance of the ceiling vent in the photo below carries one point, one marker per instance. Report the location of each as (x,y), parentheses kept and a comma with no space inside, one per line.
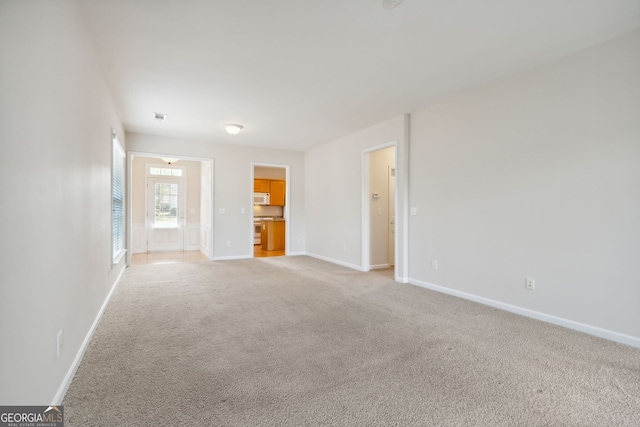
(160,116)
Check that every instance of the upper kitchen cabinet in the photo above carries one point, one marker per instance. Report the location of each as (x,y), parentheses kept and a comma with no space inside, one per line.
(277,192)
(261,185)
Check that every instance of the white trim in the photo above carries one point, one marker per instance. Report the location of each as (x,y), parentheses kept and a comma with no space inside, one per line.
(570,324)
(301,253)
(379,266)
(66,382)
(335,261)
(118,257)
(402,204)
(232,257)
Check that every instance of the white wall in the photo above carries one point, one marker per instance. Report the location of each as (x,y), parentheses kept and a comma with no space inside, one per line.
(537,176)
(233,188)
(334,192)
(56,117)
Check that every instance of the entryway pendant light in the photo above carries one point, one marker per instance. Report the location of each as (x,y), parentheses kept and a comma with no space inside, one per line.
(233,129)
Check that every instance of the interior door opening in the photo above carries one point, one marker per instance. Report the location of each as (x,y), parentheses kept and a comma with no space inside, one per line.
(170,206)
(270,213)
(379,208)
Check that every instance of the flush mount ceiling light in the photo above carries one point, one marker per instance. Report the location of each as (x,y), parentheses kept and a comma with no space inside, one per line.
(160,116)
(169,160)
(391,4)
(233,129)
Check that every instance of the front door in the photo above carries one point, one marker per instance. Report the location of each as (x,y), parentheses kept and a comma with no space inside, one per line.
(165,214)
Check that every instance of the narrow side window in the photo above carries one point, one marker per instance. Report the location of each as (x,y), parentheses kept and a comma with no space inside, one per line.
(117,200)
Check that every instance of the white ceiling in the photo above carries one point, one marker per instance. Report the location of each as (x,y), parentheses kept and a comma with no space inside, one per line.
(299,73)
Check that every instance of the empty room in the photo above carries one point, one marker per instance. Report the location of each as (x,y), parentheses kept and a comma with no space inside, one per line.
(366,212)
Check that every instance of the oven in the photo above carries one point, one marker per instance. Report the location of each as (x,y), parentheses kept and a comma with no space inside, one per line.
(257,239)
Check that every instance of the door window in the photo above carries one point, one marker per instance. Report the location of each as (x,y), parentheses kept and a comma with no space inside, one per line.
(166,205)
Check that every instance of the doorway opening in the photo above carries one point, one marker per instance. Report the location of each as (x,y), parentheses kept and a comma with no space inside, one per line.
(270,228)
(170,207)
(379,208)
(382,202)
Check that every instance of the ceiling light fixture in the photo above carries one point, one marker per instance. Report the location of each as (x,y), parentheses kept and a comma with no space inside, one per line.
(391,4)
(169,160)
(233,129)
(160,116)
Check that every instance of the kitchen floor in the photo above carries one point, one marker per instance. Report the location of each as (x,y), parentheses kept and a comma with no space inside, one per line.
(258,252)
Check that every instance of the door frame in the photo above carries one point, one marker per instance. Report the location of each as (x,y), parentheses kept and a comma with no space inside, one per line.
(129,178)
(391,171)
(401,237)
(287,202)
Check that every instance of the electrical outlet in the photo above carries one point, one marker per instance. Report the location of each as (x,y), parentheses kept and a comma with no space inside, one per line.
(530,283)
(434,264)
(228,243)
(58,344)
(344,248)
(242,211)
(299,241)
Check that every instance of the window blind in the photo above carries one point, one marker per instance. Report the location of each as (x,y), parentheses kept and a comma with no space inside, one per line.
(117,200)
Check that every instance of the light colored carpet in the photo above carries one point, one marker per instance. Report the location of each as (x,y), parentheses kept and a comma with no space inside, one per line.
(300,342)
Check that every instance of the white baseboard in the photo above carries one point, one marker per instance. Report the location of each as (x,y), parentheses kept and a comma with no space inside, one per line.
(570,324)
(66,382)
(227,258)
(335,261)
(296,253)
(378,266)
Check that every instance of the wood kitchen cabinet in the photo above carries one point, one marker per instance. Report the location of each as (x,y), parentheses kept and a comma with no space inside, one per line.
(272,235)
(261,185)
(277,193)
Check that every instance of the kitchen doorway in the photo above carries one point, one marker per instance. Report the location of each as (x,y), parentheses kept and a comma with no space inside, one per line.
(270,228)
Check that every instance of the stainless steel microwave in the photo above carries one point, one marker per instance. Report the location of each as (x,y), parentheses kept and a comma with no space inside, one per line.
(261,198)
